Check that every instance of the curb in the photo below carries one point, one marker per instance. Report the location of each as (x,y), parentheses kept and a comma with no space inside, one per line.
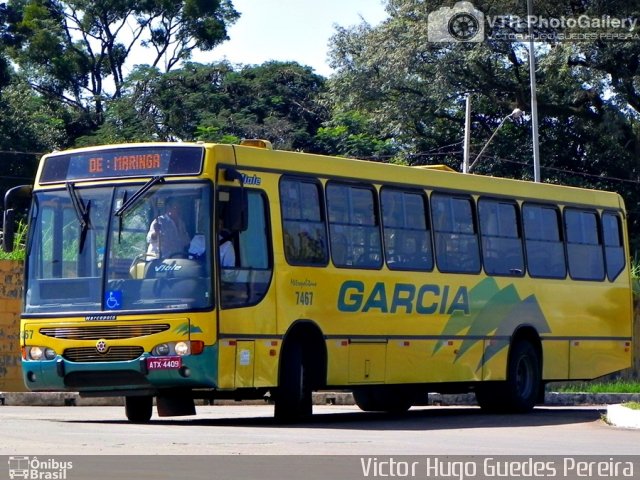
(621,416)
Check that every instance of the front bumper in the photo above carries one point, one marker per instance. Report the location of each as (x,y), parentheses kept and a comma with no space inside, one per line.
(59,374)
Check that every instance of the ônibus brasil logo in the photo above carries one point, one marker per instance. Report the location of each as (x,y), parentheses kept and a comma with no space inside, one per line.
(37,469)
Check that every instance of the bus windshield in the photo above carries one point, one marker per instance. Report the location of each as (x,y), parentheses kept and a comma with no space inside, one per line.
(89,254)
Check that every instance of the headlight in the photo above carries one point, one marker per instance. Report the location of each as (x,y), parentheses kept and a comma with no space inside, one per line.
(172,348)
(35,353)
(161,350)
(182,348)
(40,353)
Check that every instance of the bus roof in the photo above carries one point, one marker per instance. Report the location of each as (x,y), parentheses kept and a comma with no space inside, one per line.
(258,155)
(423,176)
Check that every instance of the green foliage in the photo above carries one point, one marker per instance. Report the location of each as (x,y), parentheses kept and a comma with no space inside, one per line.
(413,91)
(616,386)
(29,122)
(278,101)
(352,134)
(214,135)
(18,252)
(70,50)
(635,277)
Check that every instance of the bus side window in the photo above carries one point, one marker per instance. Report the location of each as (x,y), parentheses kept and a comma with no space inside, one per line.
(353,223)
(501,243)
(407,237)
(304,231)
(543,241)
(456,240)
(613,244)
(584,248)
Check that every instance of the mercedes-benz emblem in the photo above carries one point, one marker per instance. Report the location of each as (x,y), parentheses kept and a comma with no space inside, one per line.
(101,346)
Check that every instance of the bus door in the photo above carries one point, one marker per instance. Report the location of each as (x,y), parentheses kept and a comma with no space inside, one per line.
(246,303)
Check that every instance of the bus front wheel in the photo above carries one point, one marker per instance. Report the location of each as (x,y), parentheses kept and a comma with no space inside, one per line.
(520,392)
(293,397)
(138,409)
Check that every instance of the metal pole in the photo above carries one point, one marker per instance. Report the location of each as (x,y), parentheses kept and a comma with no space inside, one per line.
(488,142)
(517,113)
(534,100)
(467,136)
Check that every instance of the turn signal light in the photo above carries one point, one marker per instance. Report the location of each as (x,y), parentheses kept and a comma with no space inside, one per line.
(197,347)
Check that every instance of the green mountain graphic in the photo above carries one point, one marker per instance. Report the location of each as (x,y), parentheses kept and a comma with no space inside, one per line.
(495,312)
(185,329)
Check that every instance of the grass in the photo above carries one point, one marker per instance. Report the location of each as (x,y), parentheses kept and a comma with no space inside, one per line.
(632,405)
(615,386)
(19,244)
(635,276)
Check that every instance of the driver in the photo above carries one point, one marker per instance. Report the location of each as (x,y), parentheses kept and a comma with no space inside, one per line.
(167,234)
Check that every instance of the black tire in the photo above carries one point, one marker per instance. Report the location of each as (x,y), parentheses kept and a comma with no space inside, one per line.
(383,399)
(520,392)
(138,409)
(293,399)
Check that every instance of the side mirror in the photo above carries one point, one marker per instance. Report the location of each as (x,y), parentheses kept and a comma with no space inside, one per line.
(14,198)
(8,236)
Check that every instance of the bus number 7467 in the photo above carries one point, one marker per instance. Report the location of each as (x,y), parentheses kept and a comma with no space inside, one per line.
(304,298)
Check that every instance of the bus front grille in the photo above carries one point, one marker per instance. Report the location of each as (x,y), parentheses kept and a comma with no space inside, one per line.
(114,354)
(107,332)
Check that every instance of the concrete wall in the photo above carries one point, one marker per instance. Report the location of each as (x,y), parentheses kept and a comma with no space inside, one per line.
(10,303)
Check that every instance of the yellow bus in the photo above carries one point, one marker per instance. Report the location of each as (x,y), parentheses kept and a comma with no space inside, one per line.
(387,281)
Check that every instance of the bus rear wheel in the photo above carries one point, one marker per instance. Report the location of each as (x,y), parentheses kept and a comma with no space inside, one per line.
(293,399)
(138,409)
(520,392)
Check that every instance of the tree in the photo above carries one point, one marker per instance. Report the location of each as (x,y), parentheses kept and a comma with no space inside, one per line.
(163,107)
(75,50)
(352,134)
(29,126)
(414,91)
(278,101)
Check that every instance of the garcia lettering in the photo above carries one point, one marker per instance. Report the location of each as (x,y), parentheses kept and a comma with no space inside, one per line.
(427,299)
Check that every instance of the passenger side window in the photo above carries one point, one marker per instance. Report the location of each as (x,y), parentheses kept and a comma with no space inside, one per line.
(353,226)
(407,237)
(501,243)
(456,239)
(543,241)
(613,244)
(584,249)
(304,231)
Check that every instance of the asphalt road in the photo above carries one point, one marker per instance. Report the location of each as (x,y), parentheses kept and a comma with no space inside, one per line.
(334,430)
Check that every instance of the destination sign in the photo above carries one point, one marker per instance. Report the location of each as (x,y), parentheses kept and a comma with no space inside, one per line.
(123,162)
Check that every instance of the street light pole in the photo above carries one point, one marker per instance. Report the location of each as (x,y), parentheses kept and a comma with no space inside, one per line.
(467,136)
(534,100)
(517,113)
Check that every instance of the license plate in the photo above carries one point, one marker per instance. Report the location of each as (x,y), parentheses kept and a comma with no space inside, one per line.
(164,363)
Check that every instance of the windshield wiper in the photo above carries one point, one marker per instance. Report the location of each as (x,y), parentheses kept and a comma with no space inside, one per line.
(138,195)
(82,213)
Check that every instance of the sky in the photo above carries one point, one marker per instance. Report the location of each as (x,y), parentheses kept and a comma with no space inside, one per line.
(285,30)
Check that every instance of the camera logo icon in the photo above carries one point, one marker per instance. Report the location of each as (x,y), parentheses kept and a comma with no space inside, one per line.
(462,23)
